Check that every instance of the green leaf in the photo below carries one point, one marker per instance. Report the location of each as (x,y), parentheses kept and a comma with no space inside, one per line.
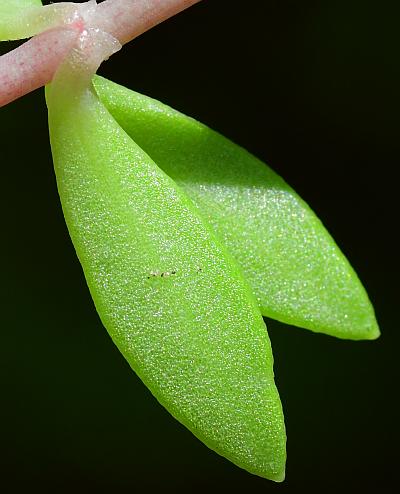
(298,274)
(12,7)
(173,301)
(25,18)
(14,17)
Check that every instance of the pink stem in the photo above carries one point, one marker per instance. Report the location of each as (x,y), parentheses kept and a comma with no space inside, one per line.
(34,63)
(127,19)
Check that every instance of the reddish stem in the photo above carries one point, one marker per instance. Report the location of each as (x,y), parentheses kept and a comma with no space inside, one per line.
(127,19)
(34,63)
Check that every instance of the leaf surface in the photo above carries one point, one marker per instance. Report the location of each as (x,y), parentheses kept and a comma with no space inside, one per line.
(297,273)
(14,17)
(173,301)
(12,7)
(21,19)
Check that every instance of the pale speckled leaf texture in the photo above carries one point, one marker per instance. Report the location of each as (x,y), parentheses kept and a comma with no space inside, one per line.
(174,302)
(298,274)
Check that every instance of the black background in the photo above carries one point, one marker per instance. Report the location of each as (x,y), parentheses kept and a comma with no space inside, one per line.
(312,88)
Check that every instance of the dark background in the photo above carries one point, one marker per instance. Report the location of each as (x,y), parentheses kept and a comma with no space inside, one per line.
(312,88)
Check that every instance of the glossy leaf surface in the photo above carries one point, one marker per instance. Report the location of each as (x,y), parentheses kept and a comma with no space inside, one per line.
(171,298)
(297,273)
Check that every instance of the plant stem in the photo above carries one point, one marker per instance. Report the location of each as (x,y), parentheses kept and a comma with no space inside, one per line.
(127,19)
(34,63)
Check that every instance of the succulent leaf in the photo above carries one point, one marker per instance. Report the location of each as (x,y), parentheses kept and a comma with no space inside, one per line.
(298,274)
(172,299)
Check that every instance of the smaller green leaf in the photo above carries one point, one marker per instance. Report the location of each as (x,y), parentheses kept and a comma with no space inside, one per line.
(15,16)
(25,18)
(296,270)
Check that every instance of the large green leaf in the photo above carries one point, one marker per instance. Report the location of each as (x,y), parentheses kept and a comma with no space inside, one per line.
(297,272)
(172,299)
